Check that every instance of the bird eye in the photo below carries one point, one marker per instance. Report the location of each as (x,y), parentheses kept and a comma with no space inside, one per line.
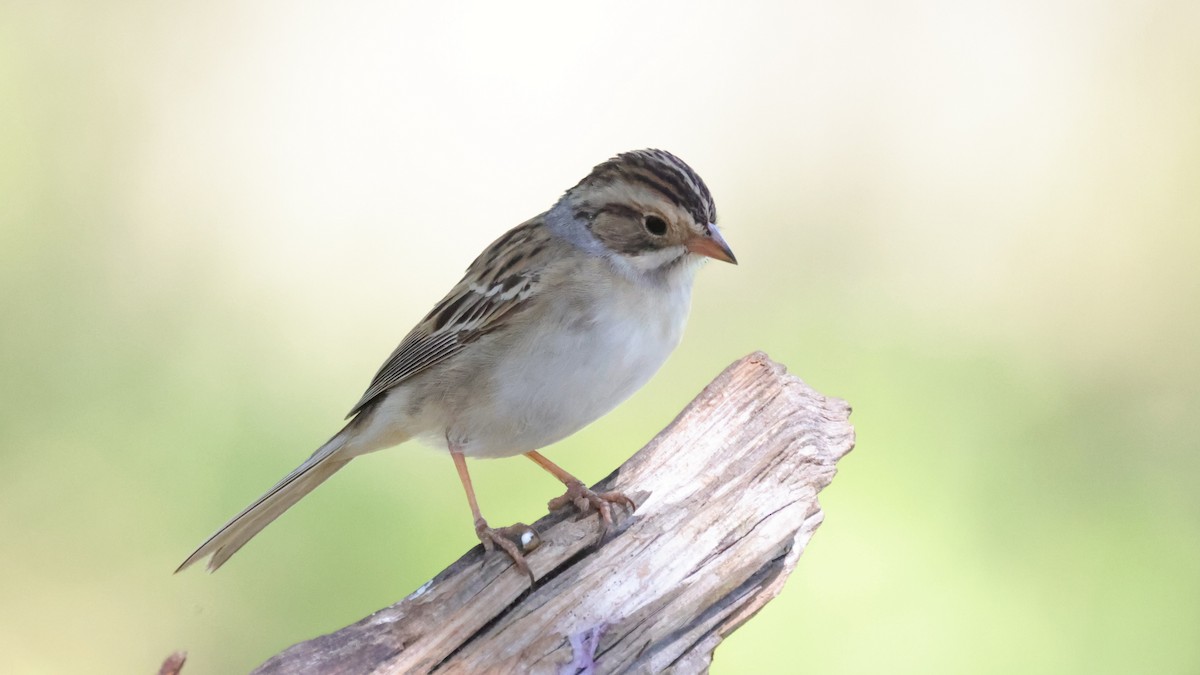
(655,225)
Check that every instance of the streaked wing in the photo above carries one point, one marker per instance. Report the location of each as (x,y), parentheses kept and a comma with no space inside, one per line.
(497,285)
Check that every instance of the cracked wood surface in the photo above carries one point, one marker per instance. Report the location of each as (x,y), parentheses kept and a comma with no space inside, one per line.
(727,501)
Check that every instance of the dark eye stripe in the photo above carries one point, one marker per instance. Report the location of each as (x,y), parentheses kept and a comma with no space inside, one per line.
(619,209)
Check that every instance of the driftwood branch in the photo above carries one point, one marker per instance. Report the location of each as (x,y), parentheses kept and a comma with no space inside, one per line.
(727,501)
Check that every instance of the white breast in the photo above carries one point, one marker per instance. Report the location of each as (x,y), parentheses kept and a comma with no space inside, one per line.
(558,380)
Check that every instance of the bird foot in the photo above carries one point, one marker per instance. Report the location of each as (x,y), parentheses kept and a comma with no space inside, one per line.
(586,501)
(515,540)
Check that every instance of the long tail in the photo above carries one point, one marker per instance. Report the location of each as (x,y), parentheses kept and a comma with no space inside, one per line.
(233,535)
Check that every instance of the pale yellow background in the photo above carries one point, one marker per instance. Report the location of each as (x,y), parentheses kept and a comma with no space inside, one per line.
(977,222)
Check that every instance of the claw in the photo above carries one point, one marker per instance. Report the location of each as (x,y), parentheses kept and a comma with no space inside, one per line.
(515,540)
(583,499)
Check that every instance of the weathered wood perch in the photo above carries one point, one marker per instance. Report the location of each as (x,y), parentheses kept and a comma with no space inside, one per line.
(727,501)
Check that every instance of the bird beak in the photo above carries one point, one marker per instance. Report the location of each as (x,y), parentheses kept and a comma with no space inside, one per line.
(711,245)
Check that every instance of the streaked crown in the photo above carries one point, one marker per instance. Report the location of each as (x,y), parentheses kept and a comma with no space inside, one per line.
(660,172)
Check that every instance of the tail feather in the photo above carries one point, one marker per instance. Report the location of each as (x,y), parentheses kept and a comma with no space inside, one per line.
(241,528)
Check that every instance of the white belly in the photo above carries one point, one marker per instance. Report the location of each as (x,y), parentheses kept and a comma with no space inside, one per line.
(553,383)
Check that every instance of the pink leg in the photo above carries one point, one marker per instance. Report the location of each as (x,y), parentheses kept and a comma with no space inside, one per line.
(578,494)
(506,538)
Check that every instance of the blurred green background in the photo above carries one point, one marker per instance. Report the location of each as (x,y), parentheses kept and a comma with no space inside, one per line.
(977,222)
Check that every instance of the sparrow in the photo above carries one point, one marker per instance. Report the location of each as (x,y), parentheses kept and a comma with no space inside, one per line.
(556,322)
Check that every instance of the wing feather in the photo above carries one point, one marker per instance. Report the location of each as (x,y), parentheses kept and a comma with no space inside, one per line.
(475,307)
